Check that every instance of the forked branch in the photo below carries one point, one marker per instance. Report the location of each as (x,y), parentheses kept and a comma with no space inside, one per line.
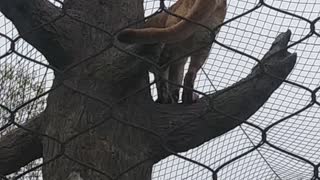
(187,127)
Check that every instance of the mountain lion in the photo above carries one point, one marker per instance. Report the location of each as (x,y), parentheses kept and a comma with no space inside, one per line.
(182,39)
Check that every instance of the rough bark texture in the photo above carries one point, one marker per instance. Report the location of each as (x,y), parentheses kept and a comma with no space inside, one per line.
(100,115)
(17,144)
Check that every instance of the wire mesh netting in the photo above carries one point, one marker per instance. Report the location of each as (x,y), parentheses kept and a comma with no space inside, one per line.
(288,120)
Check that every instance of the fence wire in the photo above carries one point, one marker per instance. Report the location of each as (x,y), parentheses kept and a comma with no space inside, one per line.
(289,118)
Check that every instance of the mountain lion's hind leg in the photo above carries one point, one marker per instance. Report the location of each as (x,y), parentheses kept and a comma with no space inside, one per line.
(176,77)
(164,95)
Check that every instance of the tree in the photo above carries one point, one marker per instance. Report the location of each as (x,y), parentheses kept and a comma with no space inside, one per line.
(100,121)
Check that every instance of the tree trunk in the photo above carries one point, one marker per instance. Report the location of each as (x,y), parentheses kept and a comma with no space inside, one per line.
(100,121)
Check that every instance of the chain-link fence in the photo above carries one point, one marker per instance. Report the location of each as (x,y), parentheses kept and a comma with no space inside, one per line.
(280,141)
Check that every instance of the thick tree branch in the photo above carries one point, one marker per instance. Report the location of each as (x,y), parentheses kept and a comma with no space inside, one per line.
(21,11)
(186,127)
(19,147)
(34,22)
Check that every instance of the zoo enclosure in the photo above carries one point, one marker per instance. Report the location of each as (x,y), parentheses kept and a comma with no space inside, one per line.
(289,119)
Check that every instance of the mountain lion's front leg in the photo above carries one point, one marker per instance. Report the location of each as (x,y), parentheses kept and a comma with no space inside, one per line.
(197,60)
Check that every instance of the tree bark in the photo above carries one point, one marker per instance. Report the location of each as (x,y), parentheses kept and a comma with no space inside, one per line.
(17,144)
(100,121)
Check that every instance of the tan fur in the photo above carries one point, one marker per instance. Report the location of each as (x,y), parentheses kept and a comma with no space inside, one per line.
(180,38)
(200,11)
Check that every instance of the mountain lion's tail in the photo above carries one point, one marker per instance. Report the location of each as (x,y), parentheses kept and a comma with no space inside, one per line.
(200,12)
